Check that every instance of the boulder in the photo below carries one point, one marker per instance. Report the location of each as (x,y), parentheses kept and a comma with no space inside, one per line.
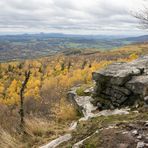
(72,95)
(120,83)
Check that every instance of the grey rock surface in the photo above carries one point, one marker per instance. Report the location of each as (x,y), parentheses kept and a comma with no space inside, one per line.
(121,84)
(89,91)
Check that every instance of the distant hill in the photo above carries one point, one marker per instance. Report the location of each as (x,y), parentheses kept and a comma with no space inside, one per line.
(143,38)
(55,35)
(25,46)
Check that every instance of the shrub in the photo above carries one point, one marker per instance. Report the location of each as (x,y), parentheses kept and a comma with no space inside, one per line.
(80,91)
(65,111)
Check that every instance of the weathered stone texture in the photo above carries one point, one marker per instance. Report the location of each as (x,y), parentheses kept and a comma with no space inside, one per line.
(120,82)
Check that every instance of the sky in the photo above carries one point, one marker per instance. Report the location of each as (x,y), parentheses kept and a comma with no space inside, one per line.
(105,17)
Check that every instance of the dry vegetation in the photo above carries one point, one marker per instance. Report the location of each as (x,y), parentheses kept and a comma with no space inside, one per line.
(47,111)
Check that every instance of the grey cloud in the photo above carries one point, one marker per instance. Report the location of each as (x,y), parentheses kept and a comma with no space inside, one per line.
(82,16)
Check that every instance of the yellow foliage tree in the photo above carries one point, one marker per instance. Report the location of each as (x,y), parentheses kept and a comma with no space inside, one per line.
(12,92)
(133,56)
(33,88)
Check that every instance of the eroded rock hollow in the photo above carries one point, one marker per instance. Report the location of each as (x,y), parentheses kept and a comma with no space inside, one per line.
(121,84)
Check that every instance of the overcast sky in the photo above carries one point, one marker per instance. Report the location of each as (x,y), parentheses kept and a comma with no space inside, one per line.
(70,16)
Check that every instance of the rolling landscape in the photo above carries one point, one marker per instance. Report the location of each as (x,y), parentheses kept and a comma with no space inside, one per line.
(26,46)
(73,74)
(46,102)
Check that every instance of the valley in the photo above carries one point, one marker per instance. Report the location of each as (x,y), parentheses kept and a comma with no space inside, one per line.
(16,47)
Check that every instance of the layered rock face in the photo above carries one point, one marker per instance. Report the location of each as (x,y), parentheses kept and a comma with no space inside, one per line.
(121,83)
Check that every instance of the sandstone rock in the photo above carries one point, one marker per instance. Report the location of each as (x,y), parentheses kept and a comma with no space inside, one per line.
(120,83)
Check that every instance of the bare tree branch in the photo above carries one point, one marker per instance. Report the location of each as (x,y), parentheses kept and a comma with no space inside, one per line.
(142,15)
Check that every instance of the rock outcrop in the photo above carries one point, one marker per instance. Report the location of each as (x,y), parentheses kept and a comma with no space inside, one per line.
(121,84)
(84,105)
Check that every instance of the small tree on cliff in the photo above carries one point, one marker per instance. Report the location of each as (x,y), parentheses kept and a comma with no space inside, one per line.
(24,83)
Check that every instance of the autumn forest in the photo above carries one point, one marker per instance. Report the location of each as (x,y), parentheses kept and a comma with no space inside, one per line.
(47,111)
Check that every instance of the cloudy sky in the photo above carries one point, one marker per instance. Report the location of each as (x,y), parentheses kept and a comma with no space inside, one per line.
(70,16)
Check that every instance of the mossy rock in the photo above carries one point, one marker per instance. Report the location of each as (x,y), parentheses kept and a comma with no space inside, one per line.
(81,90)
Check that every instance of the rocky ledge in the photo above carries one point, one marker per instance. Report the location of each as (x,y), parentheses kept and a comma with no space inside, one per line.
(121,84)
